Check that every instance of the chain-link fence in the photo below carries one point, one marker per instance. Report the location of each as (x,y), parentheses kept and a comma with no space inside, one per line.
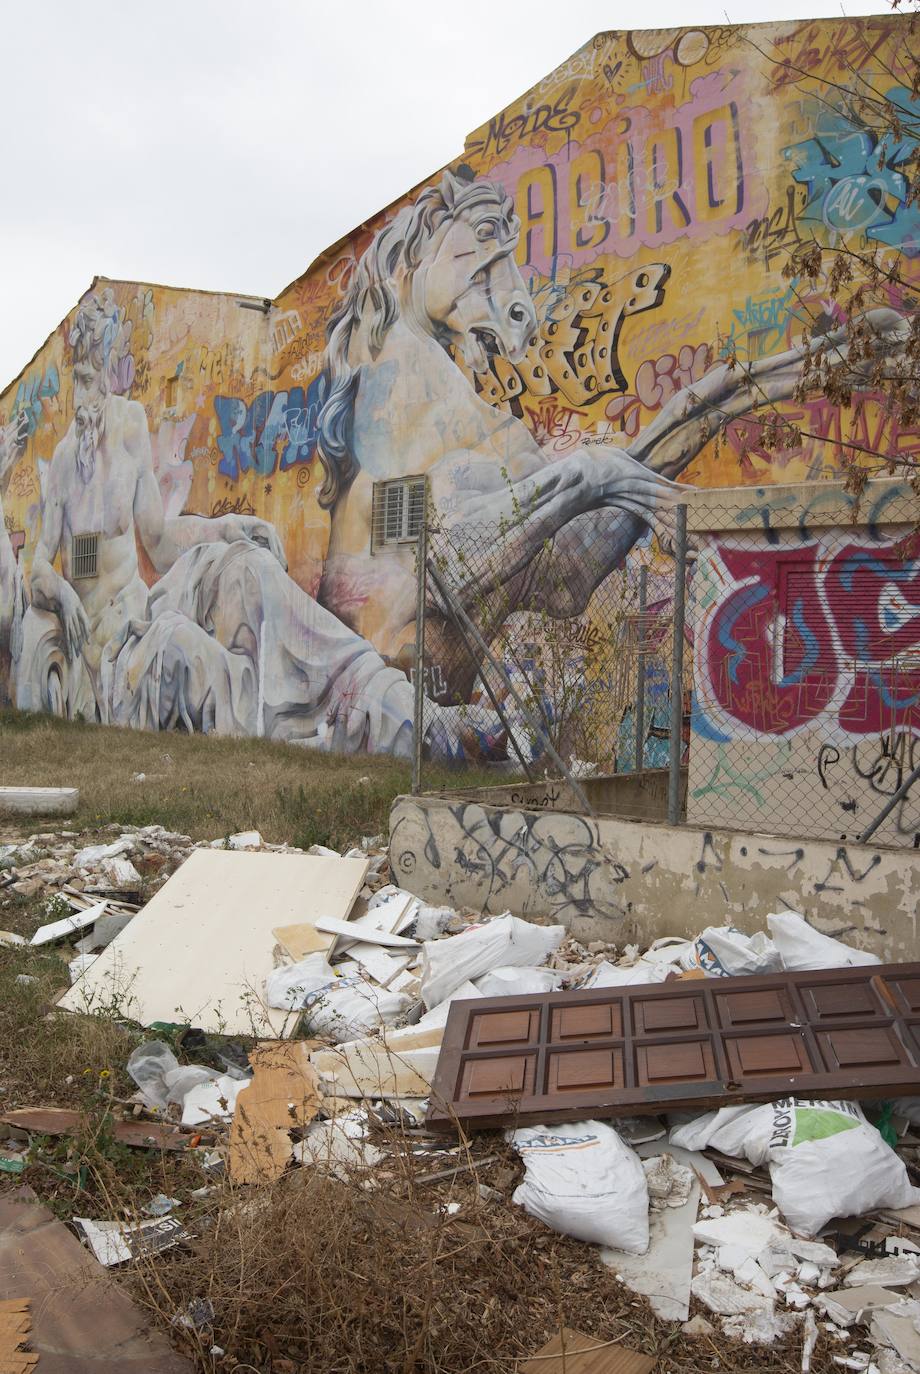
(802,638)
(806,669)
(544,662)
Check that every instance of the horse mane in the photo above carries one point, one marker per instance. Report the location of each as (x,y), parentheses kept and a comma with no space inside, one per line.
(400,243)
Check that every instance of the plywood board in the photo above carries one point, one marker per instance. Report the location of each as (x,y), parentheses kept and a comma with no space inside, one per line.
(571,1352)
(605,1052)
(81,1322)
(143,1135)
(15,1326)
(202,947)
(284,1092)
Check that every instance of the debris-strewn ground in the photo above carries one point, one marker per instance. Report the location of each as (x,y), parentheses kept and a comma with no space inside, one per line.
(418,1264)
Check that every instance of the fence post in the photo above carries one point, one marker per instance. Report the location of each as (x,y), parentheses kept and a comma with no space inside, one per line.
(677,667)
(640,673)
(418,723)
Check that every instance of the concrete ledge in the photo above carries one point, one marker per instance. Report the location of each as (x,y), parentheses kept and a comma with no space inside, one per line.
(621,880)
(38,801)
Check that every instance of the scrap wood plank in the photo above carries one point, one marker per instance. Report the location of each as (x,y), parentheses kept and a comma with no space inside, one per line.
(845,1033)
(571,1352)
(82,1323)
(15,1326)
(204,941)
(143,1135)
(285,1092)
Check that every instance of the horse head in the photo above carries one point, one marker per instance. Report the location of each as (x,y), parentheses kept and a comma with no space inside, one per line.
(466,290)
(445,263)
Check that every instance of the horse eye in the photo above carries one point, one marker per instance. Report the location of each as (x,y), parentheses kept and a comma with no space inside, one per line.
(486,230)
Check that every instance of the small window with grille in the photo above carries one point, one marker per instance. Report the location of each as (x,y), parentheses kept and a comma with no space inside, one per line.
(84,556)
(398,511)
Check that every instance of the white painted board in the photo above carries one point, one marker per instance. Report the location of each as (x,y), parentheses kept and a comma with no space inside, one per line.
(358,931)
(202,947)
(38,801)
(68,925)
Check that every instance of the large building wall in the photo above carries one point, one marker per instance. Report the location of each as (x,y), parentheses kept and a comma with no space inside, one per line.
(507,330)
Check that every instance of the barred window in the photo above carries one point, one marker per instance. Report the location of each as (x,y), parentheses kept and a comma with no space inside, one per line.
(84,557)
(398,511)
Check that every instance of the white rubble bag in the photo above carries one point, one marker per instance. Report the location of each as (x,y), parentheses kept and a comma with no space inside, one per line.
(800,946)
(347,1008)
(288,986)
(584,1181)
(518,982)
(502,943)
(725,952)
(825,1159)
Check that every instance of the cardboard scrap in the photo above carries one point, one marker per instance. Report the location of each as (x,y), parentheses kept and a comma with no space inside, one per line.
(81,1322)
(15,1326)
(284,1092)
(571,1352)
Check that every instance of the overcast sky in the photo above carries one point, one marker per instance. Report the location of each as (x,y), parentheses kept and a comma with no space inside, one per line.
(219,144)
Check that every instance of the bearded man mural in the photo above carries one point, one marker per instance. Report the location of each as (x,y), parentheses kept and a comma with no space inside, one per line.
(224,641)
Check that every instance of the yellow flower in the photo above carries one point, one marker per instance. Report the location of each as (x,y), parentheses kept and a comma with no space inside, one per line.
(105,1073)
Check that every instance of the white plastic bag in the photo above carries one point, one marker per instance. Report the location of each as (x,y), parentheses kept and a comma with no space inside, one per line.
(347,1008)
(825,1160)
(607,975)
(582,1180)
(501,943)
(517,982)
(725,952)
(287,987)
(802,947)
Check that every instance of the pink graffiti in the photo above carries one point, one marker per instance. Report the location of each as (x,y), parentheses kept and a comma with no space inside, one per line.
(657,380)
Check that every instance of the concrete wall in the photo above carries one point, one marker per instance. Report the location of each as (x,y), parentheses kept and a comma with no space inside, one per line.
(637,795)
(616,880)
(506,329)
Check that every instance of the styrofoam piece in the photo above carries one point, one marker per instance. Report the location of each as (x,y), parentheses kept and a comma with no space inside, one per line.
(203,945)
(68,925)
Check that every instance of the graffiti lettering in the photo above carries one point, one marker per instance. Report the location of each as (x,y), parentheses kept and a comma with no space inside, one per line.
(557,118)
(31,391)
(276,432)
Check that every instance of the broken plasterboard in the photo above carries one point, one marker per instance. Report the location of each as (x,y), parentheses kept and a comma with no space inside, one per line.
(203,945)
(357,931)
(284,1092)
(664,1273)
(374,1068)
(68,925)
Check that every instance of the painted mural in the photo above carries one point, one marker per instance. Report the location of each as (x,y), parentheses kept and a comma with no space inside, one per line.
(546,331)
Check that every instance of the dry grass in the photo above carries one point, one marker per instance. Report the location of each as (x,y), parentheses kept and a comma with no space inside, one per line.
(206,786)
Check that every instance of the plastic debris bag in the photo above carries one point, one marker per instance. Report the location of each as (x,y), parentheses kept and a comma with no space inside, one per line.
(825,1159)
(607,975)
(584,1181)
(802,947)
(347,1008)
(288,987)
(504,942)
(518,982)
(726,952)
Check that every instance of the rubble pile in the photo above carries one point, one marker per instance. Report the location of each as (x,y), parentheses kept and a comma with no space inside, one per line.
(755,1218)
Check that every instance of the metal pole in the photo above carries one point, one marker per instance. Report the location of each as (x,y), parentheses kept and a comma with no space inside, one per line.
(677,667)
(640,673)
(464,621)
(902,791)
(418,736)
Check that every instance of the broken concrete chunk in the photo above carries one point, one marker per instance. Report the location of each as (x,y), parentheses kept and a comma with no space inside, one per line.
(894,1271)
(726,1297)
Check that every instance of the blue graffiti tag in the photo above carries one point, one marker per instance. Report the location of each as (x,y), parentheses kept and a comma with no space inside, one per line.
(30,394)
(277,431)
(853,177)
